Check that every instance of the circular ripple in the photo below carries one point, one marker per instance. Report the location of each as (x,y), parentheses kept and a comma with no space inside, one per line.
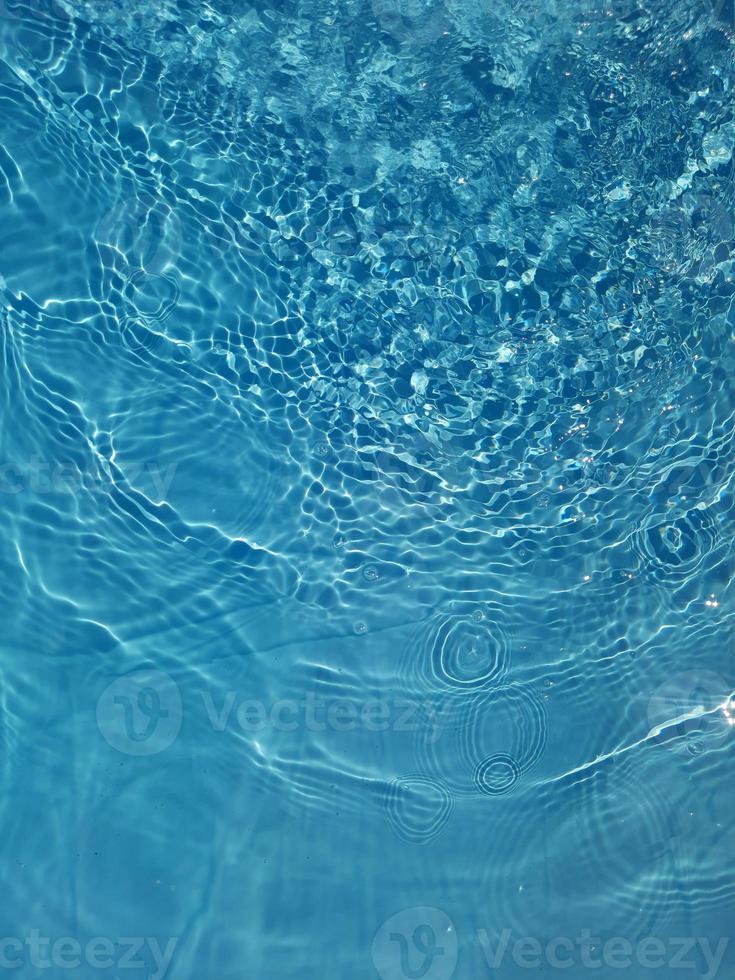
(600,851)
(497,774)
(418,807)
(677,549)
(484,743)
(142,337)
(514,717)
(460,652)
(627,843)
(467,653)
(151,296)
(145,229)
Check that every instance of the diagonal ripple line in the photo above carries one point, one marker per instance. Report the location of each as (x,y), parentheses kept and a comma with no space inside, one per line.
(653,734)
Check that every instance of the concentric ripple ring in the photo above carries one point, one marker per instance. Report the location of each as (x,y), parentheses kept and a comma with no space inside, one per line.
(418,807)
(497,774)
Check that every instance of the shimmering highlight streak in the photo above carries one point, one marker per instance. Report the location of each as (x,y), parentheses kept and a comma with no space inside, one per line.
(367,477)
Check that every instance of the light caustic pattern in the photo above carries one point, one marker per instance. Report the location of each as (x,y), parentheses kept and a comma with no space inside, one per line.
(366,474)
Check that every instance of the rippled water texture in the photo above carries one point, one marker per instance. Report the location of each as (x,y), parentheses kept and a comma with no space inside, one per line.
(366,475)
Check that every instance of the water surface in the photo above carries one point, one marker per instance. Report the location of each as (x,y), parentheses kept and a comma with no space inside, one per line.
(367,488)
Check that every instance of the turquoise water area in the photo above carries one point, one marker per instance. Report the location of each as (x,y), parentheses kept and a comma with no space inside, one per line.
(366,483)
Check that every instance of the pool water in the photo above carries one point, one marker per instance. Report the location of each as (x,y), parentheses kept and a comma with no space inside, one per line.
(366,477)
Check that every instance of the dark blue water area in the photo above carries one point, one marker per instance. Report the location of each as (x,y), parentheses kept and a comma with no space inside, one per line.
(366,484)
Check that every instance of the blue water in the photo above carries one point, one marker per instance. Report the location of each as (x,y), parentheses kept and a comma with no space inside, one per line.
(366,481)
